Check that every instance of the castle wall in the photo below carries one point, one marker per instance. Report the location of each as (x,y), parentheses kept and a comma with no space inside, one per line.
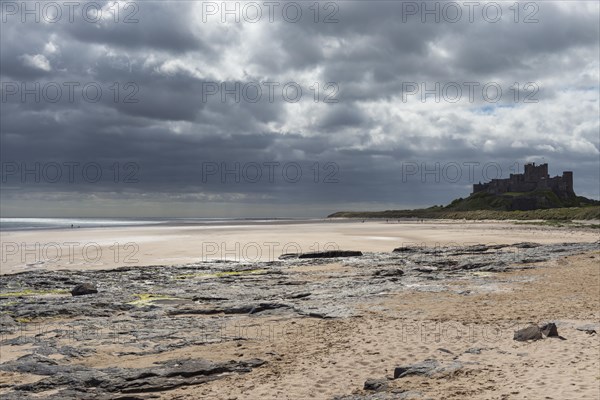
(533,178)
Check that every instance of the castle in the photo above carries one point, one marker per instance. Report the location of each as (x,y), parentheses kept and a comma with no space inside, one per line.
(534,178)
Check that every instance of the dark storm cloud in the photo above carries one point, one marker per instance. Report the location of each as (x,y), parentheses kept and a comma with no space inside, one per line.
(365,141)
(147,26)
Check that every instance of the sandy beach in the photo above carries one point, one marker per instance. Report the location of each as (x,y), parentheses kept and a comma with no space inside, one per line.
(178,324)
(101,248)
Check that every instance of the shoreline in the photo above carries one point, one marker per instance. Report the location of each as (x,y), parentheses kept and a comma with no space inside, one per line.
(102,248)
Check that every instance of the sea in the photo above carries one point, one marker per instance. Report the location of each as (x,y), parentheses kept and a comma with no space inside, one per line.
(21,224)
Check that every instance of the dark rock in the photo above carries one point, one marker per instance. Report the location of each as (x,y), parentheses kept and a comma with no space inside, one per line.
(532,332)
(242,309)
(526,245)
(533,260)
(299,295)
(466,265)
(83,289)
(421,368)
(549,330)
(445,350)
(331,254)
(407,249)
(375,384)
(7,324)
(288,256)
(429,368)
(389,272)
(208,298)
(426,270)
(478,248)
(321,254)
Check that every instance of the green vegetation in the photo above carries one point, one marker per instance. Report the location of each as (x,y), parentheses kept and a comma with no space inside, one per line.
(560,224)
(540,205)
(559,214)
(539,199)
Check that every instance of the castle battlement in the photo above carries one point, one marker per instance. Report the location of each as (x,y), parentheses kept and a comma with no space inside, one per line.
(535,177)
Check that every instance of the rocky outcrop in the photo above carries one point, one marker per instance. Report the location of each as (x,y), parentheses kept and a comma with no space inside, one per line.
(83,289)
(154,310)
(109,382)
(429,368)
(322,254)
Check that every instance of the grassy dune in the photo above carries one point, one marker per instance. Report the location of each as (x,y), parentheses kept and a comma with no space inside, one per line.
(553,214)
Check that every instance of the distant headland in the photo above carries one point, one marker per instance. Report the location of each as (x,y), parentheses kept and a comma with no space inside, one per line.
(530,195)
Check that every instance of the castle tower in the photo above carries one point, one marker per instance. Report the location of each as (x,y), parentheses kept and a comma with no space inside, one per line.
(543,171)
(535,173)
(568,180)
(529,172)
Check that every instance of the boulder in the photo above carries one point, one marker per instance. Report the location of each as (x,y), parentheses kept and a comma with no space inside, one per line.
(422,368)
(532,332)
(83,289)
(375,385)
(549,330)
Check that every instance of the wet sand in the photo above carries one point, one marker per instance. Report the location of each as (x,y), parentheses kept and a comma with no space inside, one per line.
(101,248)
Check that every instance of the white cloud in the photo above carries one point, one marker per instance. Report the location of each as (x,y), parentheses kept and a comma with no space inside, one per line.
(38,61)
(50,48)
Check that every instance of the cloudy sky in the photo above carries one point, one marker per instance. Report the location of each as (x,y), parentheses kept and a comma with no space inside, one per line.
(174,108)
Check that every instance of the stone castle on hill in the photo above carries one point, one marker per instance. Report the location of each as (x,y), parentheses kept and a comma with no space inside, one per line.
(535,178)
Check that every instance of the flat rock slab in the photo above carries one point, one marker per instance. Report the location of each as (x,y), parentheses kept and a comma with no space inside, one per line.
(590,329)
(429,368)
(161,377)
(323,254)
